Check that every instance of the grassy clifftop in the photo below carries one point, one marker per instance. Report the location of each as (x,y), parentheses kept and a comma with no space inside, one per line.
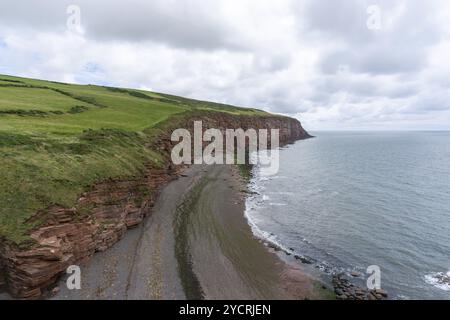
(57,139)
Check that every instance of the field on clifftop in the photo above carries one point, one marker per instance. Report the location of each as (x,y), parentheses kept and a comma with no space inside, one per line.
(57,139)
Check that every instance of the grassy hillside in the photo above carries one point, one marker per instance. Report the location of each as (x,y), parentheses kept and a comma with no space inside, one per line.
(56,139)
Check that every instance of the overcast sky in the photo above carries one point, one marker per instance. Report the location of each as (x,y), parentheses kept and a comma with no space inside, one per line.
(334,64)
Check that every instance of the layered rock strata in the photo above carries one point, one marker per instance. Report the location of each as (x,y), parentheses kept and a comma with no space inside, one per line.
(103,214)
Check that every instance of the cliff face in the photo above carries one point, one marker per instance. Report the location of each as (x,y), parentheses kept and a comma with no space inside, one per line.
(102,215)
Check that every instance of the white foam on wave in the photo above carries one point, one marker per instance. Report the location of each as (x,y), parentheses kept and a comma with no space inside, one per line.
(439,280)
(401,297)
(288,193)
(277,204)
(255,202)
(263,235)
(259,201)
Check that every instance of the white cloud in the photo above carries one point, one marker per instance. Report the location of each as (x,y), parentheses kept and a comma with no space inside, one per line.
(313,59)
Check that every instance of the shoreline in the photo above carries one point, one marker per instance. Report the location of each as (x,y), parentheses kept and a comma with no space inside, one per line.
(219,232)
(197,244)
(220,256)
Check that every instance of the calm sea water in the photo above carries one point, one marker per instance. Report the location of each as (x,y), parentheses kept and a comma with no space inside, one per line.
(351,200)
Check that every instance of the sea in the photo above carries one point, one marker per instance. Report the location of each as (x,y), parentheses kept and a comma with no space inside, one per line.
(350,200)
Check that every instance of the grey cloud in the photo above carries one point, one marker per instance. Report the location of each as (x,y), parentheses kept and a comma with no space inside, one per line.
(188,24)
(347,21)
(33,13)
(375,60)
(401,91)
(357,87)
(280,105)
(338,18)
(345,89)
(318,57)
(271,63)
(285,101)
(430,101)
(184,24)
(396,48)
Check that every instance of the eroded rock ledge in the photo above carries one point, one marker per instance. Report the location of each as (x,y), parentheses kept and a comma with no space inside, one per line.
(103,214)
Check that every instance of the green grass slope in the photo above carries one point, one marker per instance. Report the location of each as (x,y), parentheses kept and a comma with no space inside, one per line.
(57,139)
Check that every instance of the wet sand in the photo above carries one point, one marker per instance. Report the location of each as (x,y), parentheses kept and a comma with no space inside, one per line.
(197,244)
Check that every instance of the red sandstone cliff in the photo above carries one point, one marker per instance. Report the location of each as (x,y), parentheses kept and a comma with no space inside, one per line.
(103,213)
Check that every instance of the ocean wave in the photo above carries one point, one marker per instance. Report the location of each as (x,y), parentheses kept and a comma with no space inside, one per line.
(277,204)
(262,197)
(439,280)
(272,240)
(260,200)
(401,297)
(288,193)
(263,235)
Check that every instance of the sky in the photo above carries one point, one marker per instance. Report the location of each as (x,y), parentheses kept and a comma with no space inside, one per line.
(333,64)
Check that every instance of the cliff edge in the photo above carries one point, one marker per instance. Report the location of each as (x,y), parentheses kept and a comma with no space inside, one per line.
(64,236)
